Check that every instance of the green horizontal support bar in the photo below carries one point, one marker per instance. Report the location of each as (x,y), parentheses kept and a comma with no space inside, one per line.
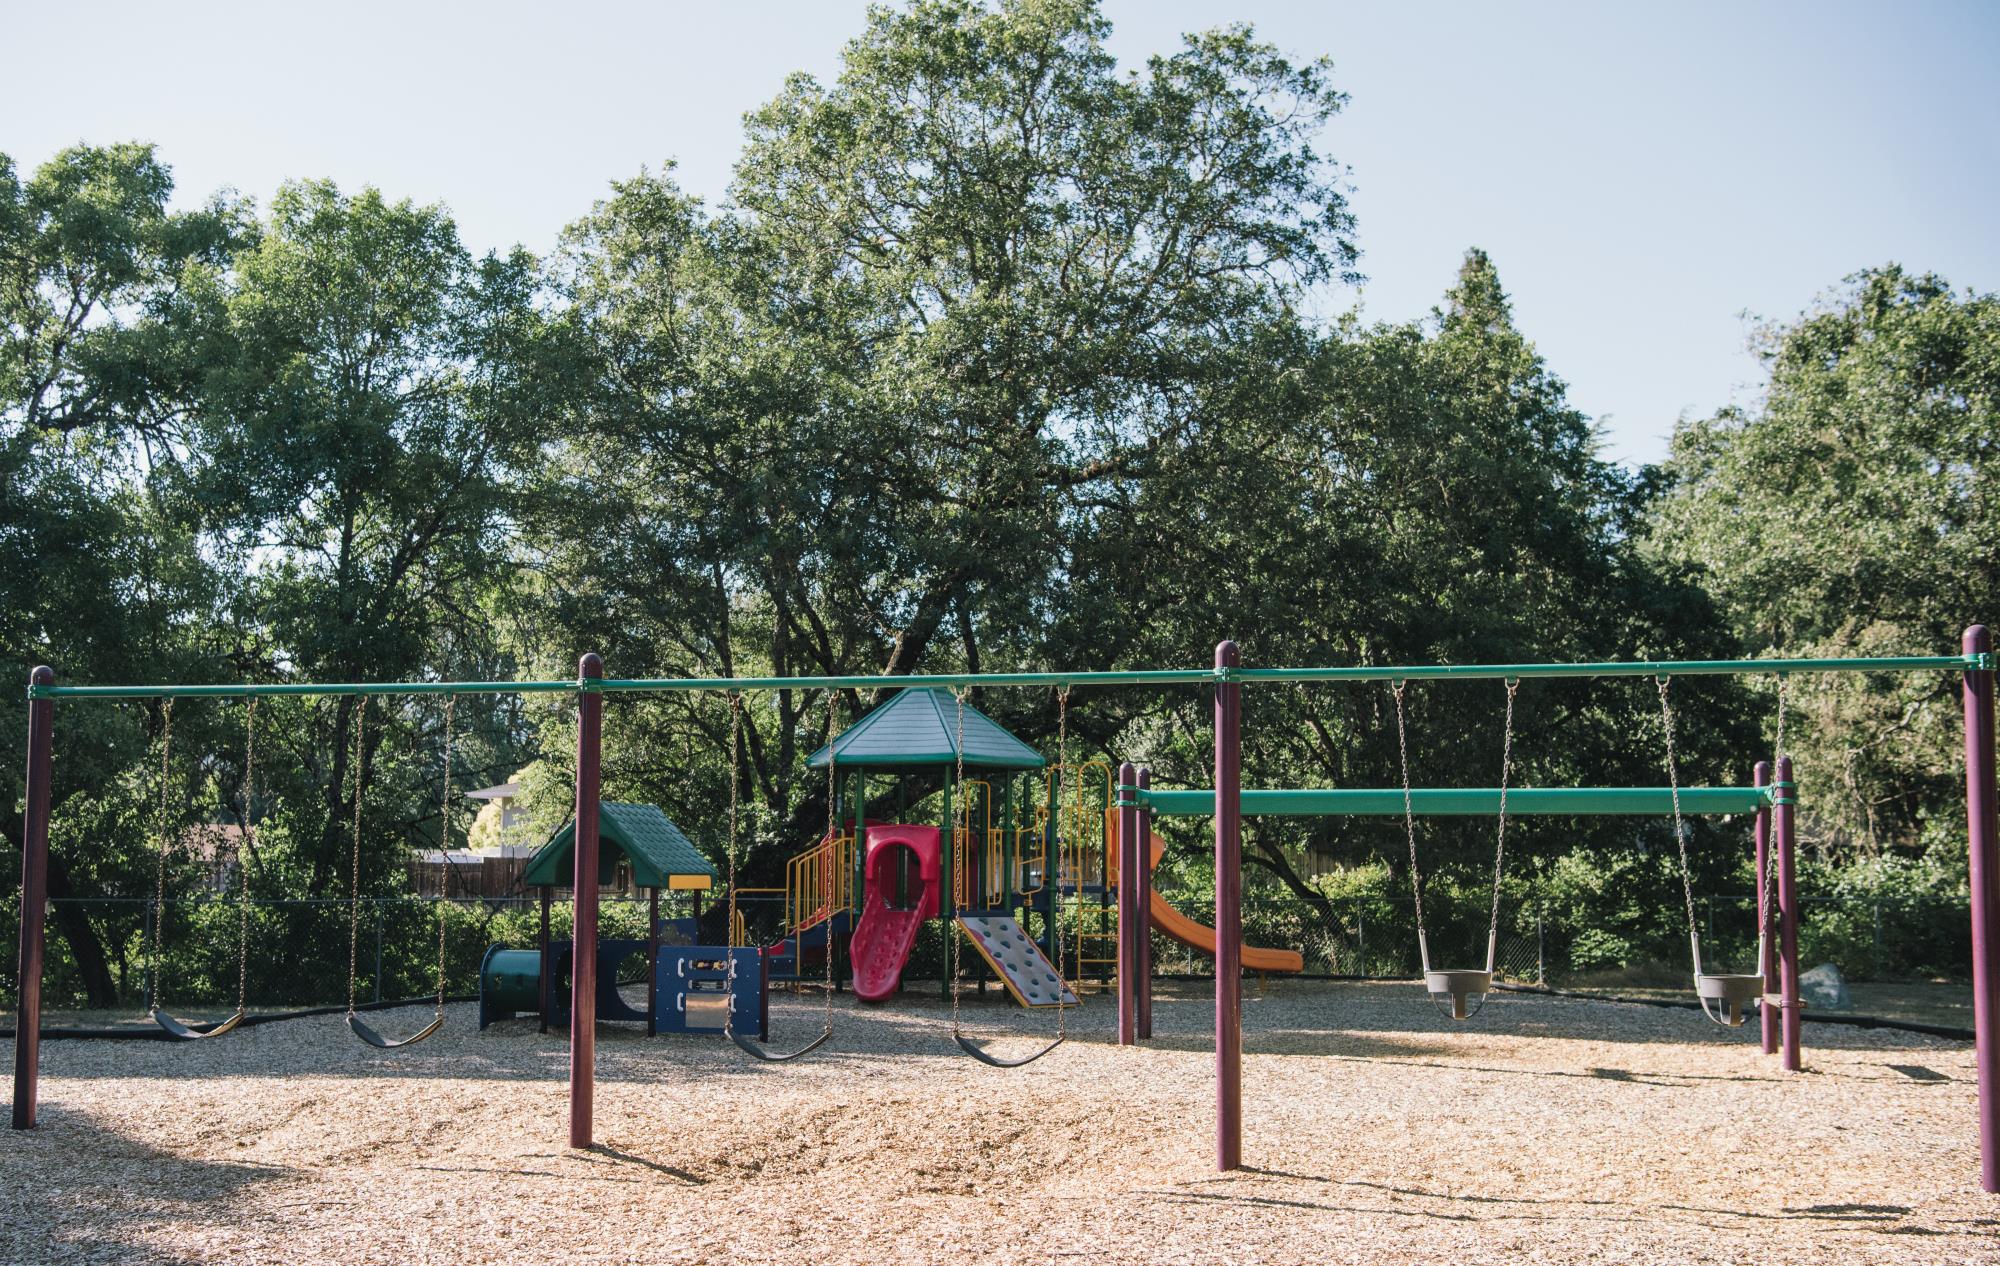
(1143,677)
(272,689)
(1153,677)
(1628,668)
(1466,801)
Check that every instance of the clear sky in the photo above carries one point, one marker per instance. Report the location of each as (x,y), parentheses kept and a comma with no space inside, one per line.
(1643,175)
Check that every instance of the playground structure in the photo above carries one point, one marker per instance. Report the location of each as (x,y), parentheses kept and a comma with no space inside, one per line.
(541,981)
(1026,843)
(1134,799)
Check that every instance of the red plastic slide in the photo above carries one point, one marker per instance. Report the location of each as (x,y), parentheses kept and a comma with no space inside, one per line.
(883,938)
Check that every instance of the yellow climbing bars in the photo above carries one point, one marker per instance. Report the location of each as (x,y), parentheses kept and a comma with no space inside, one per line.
(818,882)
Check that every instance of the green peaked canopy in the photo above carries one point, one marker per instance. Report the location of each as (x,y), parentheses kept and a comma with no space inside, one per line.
(920,727)
(661,856)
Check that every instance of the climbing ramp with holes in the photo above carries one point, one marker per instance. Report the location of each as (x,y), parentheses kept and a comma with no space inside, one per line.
(1016,958)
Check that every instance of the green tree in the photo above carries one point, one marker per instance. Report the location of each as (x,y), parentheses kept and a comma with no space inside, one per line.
(369,397)
(89,252)
(98,575)
(850,424)
(1853,512)
(1409,493)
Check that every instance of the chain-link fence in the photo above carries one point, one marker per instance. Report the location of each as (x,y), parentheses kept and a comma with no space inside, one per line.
(1869,938)
(298,950)
(1376,939)
(1897,956)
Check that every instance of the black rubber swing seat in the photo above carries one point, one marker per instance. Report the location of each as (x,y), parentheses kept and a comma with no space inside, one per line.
(380,1043)
(1460,985)
(188,1033)
(755,1051)
(973,1049)
(1730,996)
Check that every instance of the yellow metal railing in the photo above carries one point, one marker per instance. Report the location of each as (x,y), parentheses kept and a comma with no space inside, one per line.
(974,847)
(818,882)
(1081,829)
(1031,856)
(984,853)
(1081,824)
(1096,942)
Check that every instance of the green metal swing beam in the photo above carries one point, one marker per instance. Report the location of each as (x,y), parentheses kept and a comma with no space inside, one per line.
(1462,801)
(1145,677)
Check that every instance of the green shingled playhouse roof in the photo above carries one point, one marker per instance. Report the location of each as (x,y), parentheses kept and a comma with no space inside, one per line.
(920,727)
(661,856)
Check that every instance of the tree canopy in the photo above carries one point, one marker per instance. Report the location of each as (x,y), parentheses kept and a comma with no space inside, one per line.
(1854,512)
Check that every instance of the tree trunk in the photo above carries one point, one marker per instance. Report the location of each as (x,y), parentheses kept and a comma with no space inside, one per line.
(74,924)
(339,804)
(1272,858)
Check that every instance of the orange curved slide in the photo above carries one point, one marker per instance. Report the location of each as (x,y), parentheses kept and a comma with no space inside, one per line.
(1202,937)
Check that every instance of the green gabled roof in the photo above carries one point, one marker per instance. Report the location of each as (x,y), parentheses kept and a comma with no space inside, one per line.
(661,856)
(920,727)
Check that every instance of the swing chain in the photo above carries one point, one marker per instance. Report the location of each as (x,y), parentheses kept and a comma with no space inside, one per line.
(354,860)
(832,851)
(1397,688)
(1680,835)
(1500,837)
(244,853)
(1778,749)
(962,812)
(160,875)
(1062,766)
(444,842)
(957,789)
(729,935)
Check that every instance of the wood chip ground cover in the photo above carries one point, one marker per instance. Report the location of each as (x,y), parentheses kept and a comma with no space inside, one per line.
(1546,1131)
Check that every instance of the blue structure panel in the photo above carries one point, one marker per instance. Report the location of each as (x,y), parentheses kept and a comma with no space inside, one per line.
(696,988)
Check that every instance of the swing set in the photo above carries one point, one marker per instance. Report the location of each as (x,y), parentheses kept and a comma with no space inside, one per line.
(1724,996)
(182,1030)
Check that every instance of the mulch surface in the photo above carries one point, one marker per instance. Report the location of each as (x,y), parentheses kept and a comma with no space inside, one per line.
(1548,1130)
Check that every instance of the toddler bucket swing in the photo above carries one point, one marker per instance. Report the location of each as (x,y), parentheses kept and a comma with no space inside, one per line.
(1465,989)
(1725,997)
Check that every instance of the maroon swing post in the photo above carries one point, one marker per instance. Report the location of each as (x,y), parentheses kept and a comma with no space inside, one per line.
(1767,965)
(1142,901)
(583,937)
(1982,818)
(34,901)
(1228,911)
(1128,914)
(1788,914)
